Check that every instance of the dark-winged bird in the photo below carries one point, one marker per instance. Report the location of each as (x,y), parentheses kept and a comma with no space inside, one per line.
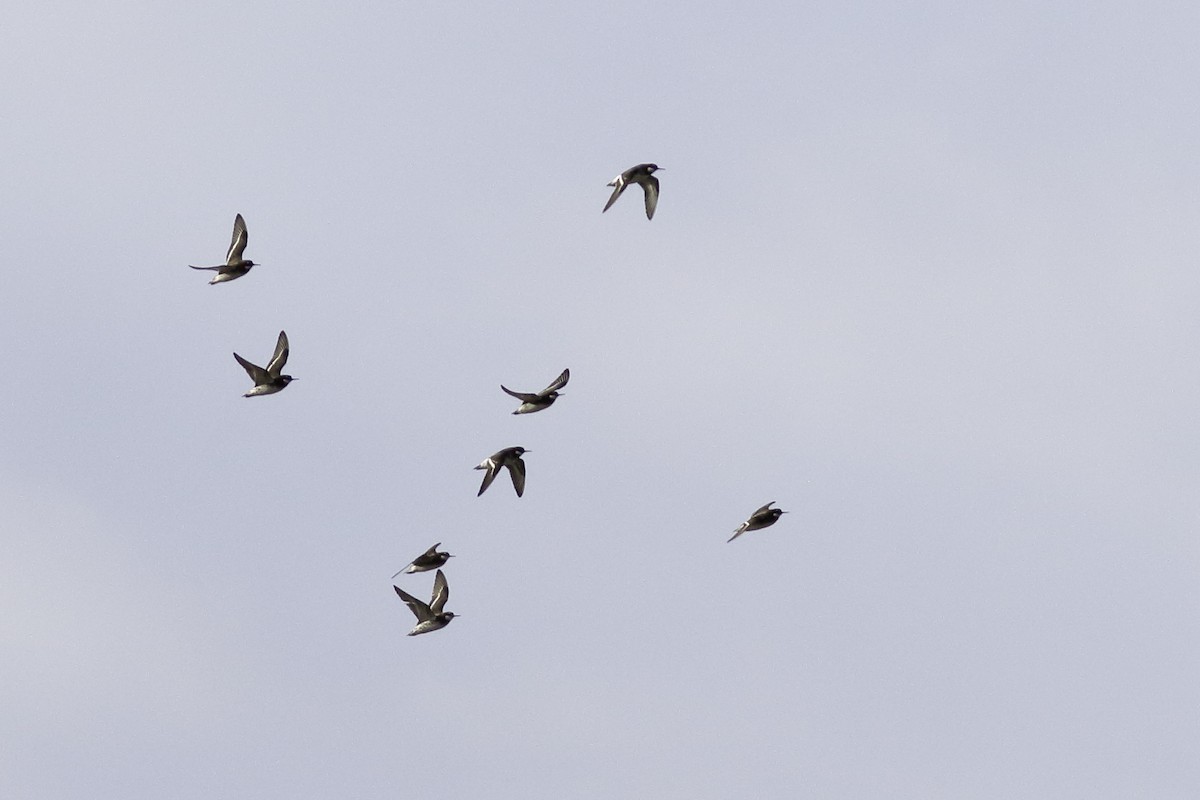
(643,175)
(536,401)
(429,617)
(764,517)
(269,380)
(508,457)
(235,266)
(430,559)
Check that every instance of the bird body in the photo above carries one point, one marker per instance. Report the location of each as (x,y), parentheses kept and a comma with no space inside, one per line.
(508,457)
(430,559)
(235,266)
(643,175)
(430,617)
(269,380)
(536,401)
(764,517)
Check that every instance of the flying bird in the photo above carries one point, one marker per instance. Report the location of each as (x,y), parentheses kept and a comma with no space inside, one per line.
(536,401)
(430,559)
(235,266)
(429,617)
(269,380)
(764,517)
(508,457)
(643,175)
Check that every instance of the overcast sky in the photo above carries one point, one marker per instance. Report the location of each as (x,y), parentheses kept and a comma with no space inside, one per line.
(924,274)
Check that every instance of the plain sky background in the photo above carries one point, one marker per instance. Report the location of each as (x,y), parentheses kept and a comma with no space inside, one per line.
(925,273)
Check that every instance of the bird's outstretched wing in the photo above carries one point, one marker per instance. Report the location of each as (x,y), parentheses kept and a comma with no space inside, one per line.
(741,529)
(279,360)
(238,244)
(557,384)
(488,476)
(620,183)
(419,609)
(441,593)
(525,397)
(516,468)
(256,373)
(650,186)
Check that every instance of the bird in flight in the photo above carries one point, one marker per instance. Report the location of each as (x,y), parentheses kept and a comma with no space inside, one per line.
(430,559)
(429,617)
(269,380)
(764,517)
(643,175)
(508,457)
(536,401)
(235,266)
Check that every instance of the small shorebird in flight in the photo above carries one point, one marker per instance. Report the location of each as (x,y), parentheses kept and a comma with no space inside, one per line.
(764,517)
(508,457)
(643,175)
(536,401)
(269,380)
(430,559)
(235,266)
(429,617)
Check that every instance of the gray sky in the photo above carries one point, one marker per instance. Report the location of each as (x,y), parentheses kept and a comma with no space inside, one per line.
(925,275)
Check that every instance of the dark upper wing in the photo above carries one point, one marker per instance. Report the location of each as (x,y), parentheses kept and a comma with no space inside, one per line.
(525,397)
(516,468)
(488,476)
(281,356)
(416,606)
(256,373)
(621,184)
(650,186)
(763,510)
(441,593)
(238,244)
(558,383)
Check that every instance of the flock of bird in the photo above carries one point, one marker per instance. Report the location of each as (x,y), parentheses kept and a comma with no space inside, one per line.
(270,379)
